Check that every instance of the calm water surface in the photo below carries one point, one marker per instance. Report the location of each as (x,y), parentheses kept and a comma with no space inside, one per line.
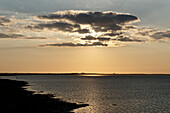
(107,94)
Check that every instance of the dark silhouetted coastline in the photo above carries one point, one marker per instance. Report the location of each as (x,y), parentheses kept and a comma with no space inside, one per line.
(15,99)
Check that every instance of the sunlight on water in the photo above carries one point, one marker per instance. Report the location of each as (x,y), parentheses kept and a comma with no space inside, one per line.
(107,94)
(92,75)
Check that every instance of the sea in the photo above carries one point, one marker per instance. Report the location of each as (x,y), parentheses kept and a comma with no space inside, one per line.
(106,94)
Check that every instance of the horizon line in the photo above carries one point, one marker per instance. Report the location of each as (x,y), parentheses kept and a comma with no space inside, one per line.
(82,73)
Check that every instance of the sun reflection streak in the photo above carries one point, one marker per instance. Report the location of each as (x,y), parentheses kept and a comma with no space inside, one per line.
(92,75)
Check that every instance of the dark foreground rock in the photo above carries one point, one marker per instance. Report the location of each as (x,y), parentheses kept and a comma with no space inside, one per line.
(15,99)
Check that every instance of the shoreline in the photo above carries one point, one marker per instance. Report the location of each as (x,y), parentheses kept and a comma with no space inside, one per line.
(78,74)
(15,98)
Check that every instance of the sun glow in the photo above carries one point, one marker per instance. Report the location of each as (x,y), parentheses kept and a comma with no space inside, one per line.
(92,31)
(92,75)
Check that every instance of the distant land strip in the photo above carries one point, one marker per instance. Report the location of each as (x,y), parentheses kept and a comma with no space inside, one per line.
(113,74)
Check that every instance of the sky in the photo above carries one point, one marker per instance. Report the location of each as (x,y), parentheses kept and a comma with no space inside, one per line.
(101,36)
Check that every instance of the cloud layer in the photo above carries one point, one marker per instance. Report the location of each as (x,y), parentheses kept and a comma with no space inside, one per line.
(99,21)
(18,36)
(89,26)
(3,35)
(81,29)
(161,35)
(154,34)
(4,20)
(70,44)
(92,18)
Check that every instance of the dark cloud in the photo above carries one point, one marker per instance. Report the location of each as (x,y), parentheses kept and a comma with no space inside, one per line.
(57,25)
(130,27)
(89,38)
(127,39)
(62,26)
(103,39)
(99,21)
(75,44)
(99,44)
(18,36)
(155,34)
(161,35)
(112,34)
(105,25)
(4,20)
(82,31)
(34,38)
(2,35)
(92,18)
(145,32)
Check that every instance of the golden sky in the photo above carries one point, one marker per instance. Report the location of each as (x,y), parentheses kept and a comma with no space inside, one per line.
(143,58)
(88,40)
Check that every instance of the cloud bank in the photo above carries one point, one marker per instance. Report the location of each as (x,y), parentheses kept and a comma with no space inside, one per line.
(92,18)
(90,26)
(75,28)
(99,21)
